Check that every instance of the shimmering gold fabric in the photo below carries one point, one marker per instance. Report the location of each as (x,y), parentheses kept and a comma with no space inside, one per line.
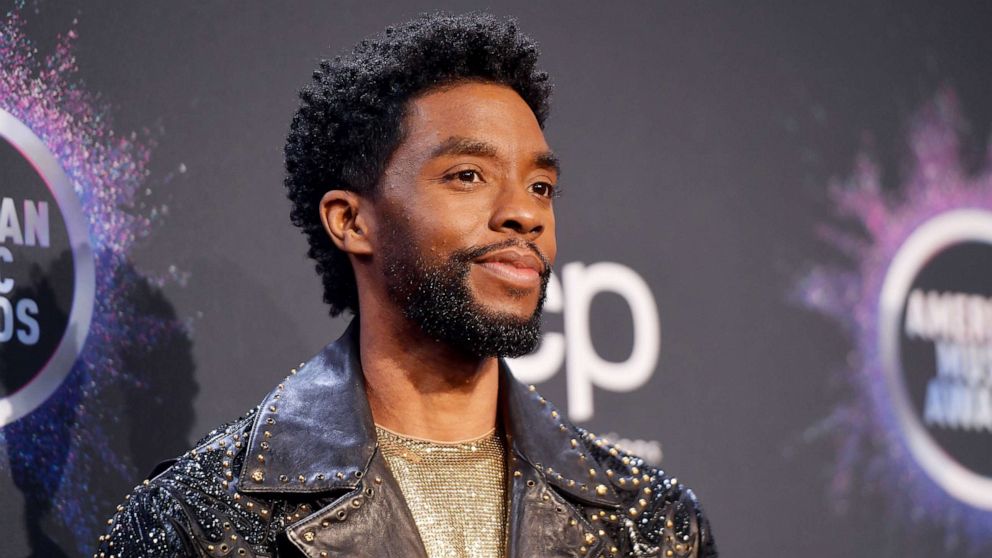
(455,491)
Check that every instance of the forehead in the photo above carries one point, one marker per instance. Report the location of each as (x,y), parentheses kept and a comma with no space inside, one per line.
(482,111)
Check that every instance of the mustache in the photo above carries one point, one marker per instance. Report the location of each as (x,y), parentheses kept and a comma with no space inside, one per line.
(467,255)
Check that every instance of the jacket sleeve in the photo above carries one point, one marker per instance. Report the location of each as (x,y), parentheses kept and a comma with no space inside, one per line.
(706,546)
(150,524)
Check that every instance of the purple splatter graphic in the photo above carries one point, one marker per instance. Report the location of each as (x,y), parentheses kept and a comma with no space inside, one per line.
(872,453)
(59,453)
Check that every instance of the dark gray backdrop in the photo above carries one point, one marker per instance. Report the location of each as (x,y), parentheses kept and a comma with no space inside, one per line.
(697,139)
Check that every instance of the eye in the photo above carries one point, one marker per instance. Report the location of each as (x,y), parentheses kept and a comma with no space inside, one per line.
(545,189)
(467,175)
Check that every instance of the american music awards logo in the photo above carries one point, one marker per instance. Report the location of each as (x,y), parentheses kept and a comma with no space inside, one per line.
(46,272)
(74,202)
(935,336)
(918,307)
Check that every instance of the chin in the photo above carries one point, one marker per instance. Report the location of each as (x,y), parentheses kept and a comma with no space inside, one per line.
(521,309)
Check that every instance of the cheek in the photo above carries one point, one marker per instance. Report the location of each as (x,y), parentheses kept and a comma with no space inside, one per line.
(551,252)
(548,242)
(455,225)
(434,237)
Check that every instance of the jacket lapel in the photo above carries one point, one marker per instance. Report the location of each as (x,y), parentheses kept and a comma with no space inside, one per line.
(371,521)
(314,436)
(541,523)
(541,436)
(548,477)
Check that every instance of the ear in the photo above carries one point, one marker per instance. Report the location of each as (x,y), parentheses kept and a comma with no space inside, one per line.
(345,222)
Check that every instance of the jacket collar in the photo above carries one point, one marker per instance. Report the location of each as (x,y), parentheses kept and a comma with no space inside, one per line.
(314,432)
(541,436)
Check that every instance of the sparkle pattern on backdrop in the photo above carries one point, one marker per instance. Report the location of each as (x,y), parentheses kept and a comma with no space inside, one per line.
(871,453)
(59,453)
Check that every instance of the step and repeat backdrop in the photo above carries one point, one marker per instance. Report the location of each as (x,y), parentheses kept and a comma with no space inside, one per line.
(774,277)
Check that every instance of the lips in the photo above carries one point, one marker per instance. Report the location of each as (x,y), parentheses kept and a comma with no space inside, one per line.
(514,266)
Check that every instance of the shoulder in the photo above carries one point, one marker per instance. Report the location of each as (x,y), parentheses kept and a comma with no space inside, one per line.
(193,507)
(658,513)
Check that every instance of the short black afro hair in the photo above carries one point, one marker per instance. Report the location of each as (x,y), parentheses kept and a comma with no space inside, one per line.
(350,119)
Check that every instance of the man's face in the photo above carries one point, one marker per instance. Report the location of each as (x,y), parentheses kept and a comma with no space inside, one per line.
(467,229)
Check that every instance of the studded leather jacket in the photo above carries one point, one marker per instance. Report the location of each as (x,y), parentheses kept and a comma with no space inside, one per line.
(301,475)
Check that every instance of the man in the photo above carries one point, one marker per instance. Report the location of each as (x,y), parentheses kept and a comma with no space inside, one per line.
(419,172)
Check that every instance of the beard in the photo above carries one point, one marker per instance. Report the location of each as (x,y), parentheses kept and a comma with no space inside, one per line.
(437,297)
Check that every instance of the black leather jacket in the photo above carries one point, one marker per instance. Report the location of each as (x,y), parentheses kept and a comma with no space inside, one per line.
(300,475)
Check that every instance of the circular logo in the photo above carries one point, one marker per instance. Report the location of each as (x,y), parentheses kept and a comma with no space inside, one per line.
(47,277)
(935,336)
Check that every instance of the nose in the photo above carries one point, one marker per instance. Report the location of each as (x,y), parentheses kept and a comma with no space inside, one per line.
(518,211)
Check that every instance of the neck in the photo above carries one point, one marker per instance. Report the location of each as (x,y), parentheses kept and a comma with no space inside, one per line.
(419,387)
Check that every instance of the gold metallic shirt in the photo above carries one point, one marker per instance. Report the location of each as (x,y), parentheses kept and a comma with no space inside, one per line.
(455,492)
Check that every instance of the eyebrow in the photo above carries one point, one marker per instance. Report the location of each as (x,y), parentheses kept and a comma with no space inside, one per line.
(458,145)
(549,161)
